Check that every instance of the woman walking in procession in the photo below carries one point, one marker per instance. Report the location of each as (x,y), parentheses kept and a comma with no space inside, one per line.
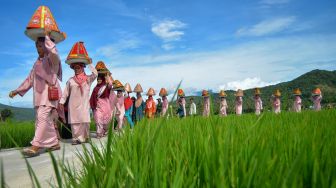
(239,102)
(128,105)
(181,108)
(150,104)
(117,102)
(43,78)
(140,105)
(206,103)
(297,100)
(276,101)
(100,101)
(257,101)
(165,104)
(78,90)
(317,98)
(223,104)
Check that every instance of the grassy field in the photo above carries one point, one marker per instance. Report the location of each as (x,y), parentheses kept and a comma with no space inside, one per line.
(21,131)
(287,150)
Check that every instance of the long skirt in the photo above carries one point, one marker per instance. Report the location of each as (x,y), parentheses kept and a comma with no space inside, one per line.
(80,131)
(45,132)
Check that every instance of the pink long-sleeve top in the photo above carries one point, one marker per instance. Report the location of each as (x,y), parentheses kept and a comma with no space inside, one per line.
(119,105)
(317,102)
(79,103)
(45,72)
(222,107)
(206,106)
(297,104)
(165,104)
(103,111)
(258,104)
(277,105)
(184,106)
(239,105)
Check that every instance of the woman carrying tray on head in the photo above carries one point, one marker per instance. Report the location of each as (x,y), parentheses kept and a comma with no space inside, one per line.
(317,98)
(100,100)
(257,101)
(239,102)
(140,105)
(43,78)
(223,104)
(276,101)
(117,103)
(165,104)
(297,100)
(181,109)
(78,90)
(150,104)
(206,103)
(128,105)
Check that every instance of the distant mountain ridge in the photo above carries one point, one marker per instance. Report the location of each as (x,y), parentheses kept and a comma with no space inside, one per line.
(20,114)
(326,80)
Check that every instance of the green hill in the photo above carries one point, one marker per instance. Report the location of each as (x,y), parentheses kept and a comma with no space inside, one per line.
(20,114)
(326,80)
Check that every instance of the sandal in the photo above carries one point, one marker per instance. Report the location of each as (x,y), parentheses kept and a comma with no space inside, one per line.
(54,148)
(75,142)
(30,152)
(99,136)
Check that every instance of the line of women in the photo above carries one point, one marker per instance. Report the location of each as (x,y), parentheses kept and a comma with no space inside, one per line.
(50,103)
(107,98)
(72,105)
(223,106)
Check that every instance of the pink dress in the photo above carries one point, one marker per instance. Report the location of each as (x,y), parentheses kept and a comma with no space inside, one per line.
(297,104)
(222,107)
(317,102)
(119,110)
(103,112)
(184,107)
(165,104)
(79,106)
(258,105)
(46,71)
(239,105)
(277,105)
(206,107)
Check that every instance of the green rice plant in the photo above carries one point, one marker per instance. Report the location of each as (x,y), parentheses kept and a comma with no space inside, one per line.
(286,150)
(22,133)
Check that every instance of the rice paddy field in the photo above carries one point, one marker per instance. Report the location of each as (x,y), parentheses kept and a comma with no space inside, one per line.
(286,150)
(22,133)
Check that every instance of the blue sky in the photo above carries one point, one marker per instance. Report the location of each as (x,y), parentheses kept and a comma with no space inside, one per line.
(209,44)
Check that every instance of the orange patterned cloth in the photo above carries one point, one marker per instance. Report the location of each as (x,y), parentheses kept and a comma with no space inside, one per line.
(150,107)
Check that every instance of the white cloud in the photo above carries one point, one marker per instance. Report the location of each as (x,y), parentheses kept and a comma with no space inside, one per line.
(246,84)
(168,46)
(267,27)
(259,63)
(169,30)
(249,65)
(274,2)
(113,50)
